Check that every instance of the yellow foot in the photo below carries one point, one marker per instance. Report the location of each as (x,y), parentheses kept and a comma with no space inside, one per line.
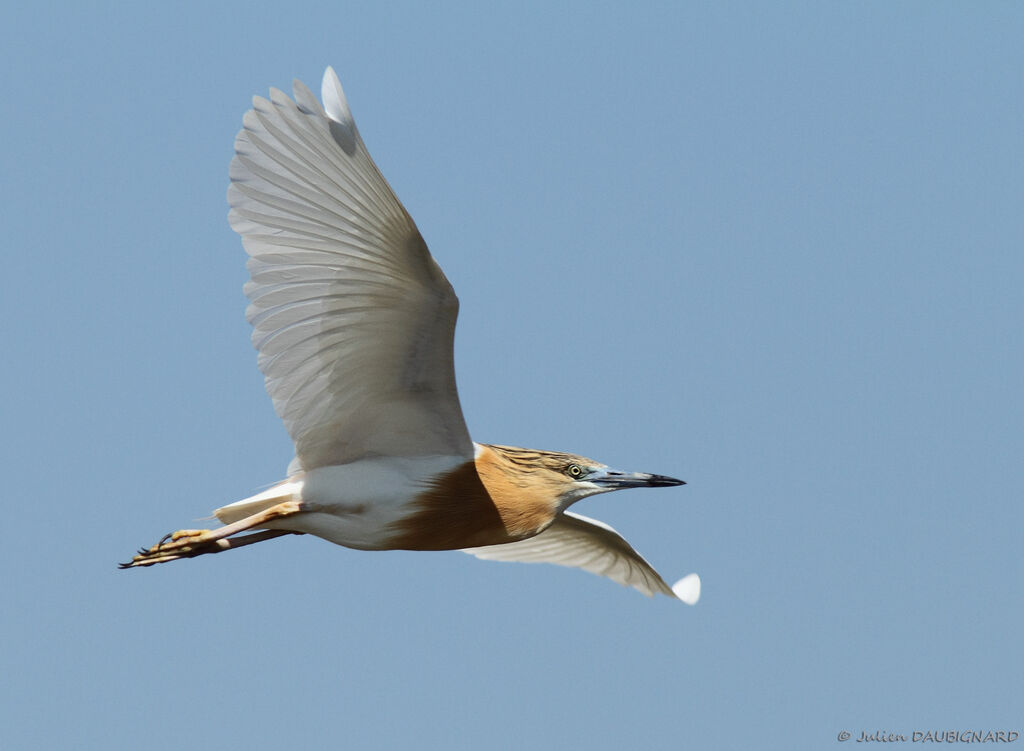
(175,536)
(188,543)
(181,538)
(181,544)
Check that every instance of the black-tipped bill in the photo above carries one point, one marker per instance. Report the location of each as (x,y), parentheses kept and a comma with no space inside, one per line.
(609,478)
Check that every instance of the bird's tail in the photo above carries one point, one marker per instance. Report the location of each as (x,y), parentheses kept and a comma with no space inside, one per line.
(287,490)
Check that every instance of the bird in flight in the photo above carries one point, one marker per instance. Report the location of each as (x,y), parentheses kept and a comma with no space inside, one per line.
(354,323)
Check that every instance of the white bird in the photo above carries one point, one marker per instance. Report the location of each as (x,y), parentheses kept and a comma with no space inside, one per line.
(354,322)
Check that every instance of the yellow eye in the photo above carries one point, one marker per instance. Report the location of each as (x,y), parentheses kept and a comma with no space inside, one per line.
(575,471)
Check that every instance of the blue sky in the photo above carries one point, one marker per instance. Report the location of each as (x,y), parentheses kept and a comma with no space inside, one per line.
(773,250)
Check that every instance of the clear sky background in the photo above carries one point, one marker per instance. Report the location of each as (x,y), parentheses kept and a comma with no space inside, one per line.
(775,250)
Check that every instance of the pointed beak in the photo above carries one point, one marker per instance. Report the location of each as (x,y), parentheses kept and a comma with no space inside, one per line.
(614,480)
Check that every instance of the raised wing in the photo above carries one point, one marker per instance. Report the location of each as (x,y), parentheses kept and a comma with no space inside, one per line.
(579,542)
(353,319)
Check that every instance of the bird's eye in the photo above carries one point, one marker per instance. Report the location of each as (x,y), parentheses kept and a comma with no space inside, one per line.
(574,471)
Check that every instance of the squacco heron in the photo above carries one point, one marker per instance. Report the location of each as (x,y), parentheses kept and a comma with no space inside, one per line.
(354,322)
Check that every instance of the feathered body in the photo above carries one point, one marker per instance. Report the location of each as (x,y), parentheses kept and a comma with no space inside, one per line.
(354,322)
(504,494)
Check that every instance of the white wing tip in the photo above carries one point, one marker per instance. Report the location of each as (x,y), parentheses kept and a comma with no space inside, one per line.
(333,97)
(339,116)
(687,589)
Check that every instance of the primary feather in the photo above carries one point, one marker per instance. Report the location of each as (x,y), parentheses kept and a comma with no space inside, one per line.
(353,319)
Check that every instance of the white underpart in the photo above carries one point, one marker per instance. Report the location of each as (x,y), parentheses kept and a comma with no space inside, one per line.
(353,504)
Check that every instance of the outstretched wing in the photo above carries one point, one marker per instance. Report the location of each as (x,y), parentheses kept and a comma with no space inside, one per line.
(353,319)
(580,542)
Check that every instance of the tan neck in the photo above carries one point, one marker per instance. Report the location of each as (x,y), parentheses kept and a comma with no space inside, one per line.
(526,500)
(498,498)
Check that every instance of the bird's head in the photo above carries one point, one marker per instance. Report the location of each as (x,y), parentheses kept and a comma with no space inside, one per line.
(571,477)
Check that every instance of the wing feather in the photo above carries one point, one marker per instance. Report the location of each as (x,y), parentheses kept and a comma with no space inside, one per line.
(353,319)
(580,542)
